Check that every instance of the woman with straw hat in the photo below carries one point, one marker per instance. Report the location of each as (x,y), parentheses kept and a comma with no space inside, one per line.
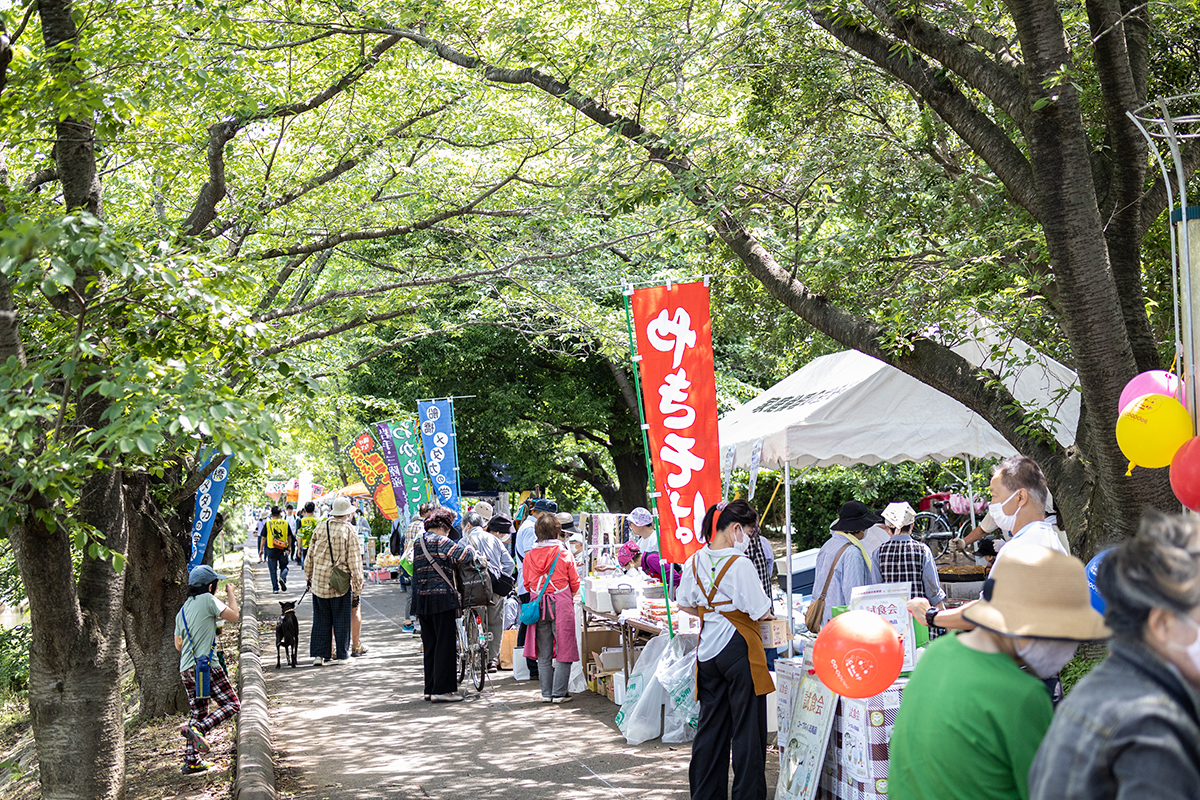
(1131,727)
(975,709)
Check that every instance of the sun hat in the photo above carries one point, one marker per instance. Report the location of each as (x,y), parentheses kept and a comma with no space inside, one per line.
(546,505)
(203,575)
(854,516)
(899,515)
(500,524)
(1040,593)
(484,509)
(341,507)
(566,521)
(628,552)
(640,517)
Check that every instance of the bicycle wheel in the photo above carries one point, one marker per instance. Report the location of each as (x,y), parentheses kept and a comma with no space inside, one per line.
(477,668)
(462,648)
(932,529)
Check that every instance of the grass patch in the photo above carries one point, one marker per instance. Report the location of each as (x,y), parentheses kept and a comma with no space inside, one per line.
(1075,669)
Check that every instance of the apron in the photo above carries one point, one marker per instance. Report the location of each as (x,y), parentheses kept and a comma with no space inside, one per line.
(747,627)
(560,608)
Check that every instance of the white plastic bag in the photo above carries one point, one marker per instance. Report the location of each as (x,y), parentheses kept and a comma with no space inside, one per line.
(675,729)
(676,672)
(520,666)
(640,717)
(578,682)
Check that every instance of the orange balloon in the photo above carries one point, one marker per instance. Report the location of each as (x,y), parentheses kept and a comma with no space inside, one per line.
(858,654)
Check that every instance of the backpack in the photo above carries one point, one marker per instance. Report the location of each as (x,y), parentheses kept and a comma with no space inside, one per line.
(277,531)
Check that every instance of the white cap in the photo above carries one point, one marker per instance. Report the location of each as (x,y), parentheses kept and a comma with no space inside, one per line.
(899,515)
(640,517)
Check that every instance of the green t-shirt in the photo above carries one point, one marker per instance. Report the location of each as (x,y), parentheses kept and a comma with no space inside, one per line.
(968,727)
(202,613)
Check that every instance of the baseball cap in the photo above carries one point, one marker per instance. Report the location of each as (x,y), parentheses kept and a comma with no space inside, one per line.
(203,575)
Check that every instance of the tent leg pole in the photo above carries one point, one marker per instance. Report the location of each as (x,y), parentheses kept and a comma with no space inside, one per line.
(787,527)
(970,493)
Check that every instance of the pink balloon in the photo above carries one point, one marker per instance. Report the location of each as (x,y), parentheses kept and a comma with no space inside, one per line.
(1156,381)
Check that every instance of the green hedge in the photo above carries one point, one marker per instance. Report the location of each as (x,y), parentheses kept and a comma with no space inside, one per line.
(14,658)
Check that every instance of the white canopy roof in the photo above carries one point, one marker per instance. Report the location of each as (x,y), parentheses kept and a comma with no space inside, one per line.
(850,408)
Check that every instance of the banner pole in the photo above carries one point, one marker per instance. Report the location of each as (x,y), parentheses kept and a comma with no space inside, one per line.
(454,441)
(637,387)
(787,512)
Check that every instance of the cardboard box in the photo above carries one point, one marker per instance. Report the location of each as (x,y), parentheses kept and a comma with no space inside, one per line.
(774,633)
(856,761)
(599,639)
(612,658)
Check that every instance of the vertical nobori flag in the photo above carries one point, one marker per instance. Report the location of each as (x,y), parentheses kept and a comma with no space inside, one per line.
(674,342)
(364,452)
(388,448)
(441,456)
(407,442)
(208,500)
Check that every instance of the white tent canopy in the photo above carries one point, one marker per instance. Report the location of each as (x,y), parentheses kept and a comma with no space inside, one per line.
(850,408)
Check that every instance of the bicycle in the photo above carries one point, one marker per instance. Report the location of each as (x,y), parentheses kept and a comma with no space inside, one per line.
(936,528)
(472,647)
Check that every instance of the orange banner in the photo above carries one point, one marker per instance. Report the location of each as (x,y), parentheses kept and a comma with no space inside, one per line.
(368,460)
(674,341)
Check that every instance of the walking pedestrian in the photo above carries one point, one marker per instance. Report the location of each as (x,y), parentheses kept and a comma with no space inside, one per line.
(305,527)
(335,545)
(437,603)
(550,570)
(278,541)
(500,566)
(196,635)
(1131,727)
(721,586)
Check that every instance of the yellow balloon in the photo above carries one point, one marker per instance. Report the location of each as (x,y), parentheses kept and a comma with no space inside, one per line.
(1152,428)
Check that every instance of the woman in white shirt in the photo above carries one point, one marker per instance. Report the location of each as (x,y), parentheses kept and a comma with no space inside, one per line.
(722,587)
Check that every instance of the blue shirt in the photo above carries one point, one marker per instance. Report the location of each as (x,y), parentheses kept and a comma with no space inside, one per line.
(849,571)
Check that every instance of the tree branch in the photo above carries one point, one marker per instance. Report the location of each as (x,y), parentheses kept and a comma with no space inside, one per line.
(357,321)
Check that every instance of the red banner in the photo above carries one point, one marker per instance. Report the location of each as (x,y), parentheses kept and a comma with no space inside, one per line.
(368,460)
(674,340)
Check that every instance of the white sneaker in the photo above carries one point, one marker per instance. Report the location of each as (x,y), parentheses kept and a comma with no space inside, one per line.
(316,662)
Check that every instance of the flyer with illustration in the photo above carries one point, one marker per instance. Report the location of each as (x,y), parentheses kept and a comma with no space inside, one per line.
(808,738)
(890,601)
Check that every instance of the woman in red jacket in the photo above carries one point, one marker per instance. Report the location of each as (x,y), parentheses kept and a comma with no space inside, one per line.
(549,563)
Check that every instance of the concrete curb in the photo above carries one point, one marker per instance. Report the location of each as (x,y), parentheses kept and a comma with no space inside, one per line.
(255,779)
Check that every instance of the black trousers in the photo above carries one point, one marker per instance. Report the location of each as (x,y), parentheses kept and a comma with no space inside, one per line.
(330,624)
(731,717)
(522,632)
(439,640)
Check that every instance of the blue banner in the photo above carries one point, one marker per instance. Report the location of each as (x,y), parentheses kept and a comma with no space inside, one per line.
(441,455)
(208,500)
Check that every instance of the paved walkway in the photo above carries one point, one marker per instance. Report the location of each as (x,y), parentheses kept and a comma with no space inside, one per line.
(361,729)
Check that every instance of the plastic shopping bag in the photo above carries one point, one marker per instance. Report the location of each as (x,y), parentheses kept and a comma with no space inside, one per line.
(578,682)
(675,729)
(676,672)
(520,665)
(640,717)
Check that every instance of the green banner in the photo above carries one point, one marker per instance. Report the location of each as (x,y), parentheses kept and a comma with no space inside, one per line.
(407,441)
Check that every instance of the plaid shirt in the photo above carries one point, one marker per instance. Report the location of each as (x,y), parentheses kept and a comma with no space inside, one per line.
(903,560)
(318,566)
(759,558)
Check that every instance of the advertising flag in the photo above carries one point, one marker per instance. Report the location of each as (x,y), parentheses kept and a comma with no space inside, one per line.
(407,442)
(388,448)
(208,500)
(368,461)
(679,392)
(441,456)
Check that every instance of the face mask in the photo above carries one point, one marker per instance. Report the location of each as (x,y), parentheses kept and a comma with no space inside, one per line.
(1193,649)
(742,544)
(1046,657)
(1005,522)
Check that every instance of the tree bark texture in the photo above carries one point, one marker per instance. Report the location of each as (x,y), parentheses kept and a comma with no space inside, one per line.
(155,588)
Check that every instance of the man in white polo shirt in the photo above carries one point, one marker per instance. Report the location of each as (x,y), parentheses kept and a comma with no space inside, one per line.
(1018,507)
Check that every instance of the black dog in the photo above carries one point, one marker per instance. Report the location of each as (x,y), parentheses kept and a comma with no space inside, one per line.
(287,633)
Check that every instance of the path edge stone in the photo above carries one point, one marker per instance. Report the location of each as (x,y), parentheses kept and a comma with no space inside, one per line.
(255,779)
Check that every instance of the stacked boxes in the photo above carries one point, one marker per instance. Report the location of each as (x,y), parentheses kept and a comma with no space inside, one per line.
(856,762)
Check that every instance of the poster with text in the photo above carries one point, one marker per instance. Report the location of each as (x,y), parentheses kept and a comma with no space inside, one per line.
(890,601)
(807,741)
(407,441)
(208,500)
(674,343)
(387,447)
(364,452)
(441,458)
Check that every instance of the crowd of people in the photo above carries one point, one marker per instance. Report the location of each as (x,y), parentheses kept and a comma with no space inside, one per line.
(982,714)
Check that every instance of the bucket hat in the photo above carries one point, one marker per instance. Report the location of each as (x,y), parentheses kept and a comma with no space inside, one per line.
(500,524)
(1040,593)
(854,516)
(546,505)
(566,521)
(341,506)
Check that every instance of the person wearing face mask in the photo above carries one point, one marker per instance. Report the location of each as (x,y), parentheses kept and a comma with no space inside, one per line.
(721,586)
(844,561)
(1131,727)
(971,718)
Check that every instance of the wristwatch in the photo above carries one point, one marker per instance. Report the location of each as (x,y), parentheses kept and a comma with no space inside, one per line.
(930,616)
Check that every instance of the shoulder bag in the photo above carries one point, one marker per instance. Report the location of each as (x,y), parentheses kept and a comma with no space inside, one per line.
(814,616)
(474,587)
(339,579)
(502,585)
(531,612)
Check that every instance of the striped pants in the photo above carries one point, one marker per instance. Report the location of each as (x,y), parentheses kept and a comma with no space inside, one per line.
(221,694)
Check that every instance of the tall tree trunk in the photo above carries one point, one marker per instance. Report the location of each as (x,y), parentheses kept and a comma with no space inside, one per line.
(155,588)
(74,660)
(630,467)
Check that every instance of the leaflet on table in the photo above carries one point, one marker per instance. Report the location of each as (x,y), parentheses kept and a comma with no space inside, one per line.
(807,740)
(890,601)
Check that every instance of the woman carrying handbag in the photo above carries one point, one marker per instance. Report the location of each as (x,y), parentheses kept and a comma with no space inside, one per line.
(549,572)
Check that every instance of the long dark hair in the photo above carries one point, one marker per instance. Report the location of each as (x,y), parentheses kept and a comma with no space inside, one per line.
(738,511)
